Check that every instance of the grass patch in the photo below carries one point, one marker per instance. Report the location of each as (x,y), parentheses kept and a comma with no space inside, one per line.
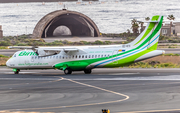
(171,54)
(26,40)
(4,47)
(3,56)
(3,60)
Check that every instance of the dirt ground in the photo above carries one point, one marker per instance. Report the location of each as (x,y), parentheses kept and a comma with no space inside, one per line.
(165,59)
(3,61)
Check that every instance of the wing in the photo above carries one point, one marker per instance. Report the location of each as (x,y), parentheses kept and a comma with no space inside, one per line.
(48,51)
(54,51)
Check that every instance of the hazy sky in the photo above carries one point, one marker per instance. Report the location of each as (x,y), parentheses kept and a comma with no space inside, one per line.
(9,1)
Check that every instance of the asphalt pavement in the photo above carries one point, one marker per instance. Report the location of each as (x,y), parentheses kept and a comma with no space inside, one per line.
(121,90)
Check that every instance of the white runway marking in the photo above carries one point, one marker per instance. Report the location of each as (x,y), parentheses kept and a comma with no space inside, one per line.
(122,74)
(126,97)
(51,79)
(20,72)
(167,77)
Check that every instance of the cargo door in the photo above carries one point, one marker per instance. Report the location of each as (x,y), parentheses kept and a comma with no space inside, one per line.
(114,55)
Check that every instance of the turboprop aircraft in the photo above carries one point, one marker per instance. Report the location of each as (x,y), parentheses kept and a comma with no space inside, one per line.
(86,58)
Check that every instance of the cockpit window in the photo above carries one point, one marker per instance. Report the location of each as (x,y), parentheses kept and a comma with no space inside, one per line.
(14,55)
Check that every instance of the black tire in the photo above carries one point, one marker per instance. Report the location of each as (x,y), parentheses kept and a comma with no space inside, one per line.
(87,71)
(67,71)
(16,72)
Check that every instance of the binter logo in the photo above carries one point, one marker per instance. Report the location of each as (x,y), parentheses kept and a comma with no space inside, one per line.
(24,53)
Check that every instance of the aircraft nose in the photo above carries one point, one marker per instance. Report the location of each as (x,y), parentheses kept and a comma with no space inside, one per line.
(8,63)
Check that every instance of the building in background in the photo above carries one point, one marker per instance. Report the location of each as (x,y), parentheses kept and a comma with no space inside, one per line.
(171,30)
(1,32)
(177,29)
(64,22)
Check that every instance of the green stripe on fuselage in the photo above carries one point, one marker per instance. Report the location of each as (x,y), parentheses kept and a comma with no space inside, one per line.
(126,60)
(130,59)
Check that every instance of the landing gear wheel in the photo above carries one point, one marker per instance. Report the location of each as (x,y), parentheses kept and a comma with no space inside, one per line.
(67,71)
(87,71)
(17,71)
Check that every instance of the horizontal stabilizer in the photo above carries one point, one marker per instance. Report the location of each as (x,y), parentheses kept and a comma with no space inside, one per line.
(149,21)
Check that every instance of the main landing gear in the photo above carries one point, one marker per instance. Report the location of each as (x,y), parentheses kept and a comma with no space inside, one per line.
(87,71)
(68,71)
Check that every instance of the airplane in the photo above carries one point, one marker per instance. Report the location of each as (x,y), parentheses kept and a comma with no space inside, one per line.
(86,58)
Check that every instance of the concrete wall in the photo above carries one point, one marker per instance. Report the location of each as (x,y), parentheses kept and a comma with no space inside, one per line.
(177,29)
(1,32)
(167,29)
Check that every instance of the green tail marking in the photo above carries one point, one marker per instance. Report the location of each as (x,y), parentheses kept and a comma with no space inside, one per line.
(149,29)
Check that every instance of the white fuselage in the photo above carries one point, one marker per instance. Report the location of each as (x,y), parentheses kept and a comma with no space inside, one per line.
(26,60)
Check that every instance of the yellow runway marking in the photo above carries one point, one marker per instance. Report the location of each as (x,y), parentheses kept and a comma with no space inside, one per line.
(120,94)
(150,111)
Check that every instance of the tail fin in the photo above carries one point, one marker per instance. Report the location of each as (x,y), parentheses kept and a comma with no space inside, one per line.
(148,39)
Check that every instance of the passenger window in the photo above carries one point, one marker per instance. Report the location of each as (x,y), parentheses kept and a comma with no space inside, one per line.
(104,55)
(101,55)
(89,56)
(53,56)
(82,56)
(62,57)
(95,56)
(73,56)
(92,56)
(76,56)
(86,56)
(56,57)
(59,57)
(79,56)
(98,56)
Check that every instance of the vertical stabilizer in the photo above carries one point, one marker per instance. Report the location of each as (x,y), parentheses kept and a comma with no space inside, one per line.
(148,39)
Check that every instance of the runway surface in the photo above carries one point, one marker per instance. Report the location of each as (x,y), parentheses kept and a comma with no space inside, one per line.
(10,52)
(121,90)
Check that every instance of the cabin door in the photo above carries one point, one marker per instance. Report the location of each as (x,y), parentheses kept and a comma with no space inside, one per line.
(114,55)
(32,58)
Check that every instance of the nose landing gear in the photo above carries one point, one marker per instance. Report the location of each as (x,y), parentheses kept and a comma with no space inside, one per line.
(67,71)
(16,71)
